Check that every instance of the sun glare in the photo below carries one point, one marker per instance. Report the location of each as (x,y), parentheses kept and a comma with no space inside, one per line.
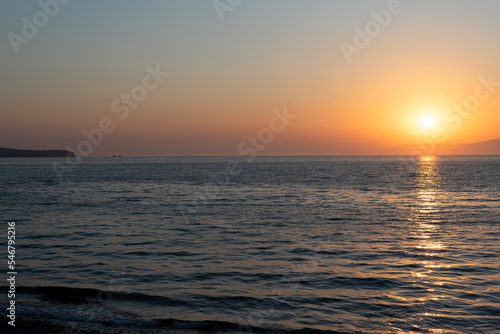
(428,122)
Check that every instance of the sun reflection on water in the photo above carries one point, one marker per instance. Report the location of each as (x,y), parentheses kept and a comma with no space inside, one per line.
(429,245)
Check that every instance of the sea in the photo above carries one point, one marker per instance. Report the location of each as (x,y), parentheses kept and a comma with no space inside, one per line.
(355,244)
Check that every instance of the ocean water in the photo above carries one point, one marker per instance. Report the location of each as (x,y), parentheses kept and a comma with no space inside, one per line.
(276,245)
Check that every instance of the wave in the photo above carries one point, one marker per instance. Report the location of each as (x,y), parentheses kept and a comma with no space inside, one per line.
(62,304)
(83,295)
(66,305)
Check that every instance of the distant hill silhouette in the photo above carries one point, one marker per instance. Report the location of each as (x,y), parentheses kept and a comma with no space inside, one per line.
(482,148)
(490,147)
(15,153)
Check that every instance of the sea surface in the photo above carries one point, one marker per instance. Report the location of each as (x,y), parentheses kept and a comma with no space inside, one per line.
(273,245)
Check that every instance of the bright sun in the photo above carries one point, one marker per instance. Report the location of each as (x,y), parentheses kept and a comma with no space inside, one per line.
(428,122)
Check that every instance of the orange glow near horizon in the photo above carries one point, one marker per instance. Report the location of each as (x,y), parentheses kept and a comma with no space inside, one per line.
(225,82)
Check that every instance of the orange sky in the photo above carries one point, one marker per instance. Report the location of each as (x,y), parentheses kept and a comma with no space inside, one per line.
(226,77)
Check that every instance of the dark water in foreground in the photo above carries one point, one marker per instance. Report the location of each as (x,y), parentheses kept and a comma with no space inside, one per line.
(349,244)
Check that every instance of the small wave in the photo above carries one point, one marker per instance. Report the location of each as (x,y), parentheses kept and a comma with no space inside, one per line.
(78,295)
(81,305)
(143,253)
(102,320)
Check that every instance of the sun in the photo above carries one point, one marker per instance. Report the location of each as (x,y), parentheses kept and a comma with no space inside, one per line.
(428,122)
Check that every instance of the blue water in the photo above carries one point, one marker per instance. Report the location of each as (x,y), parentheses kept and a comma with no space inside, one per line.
(312,244)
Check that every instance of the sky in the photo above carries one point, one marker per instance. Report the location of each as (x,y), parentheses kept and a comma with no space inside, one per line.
(283,77)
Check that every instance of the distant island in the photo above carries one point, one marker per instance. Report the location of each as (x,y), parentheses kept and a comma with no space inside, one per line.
(15,153)
(490,147)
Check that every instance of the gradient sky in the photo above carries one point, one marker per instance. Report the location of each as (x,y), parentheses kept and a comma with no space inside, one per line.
(227,76)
